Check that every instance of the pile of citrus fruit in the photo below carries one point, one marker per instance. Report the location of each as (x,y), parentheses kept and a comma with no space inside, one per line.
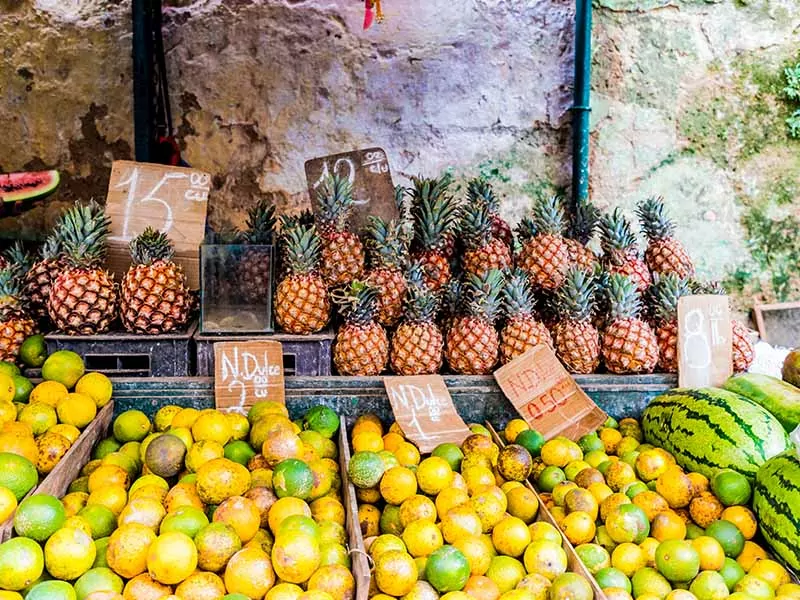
(185,507)
(39,424)
(646,528)
(456,525)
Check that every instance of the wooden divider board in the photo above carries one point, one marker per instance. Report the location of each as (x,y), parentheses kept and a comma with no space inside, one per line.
(546,395)
(358,554)
(705,341)
(424,410)
(246,372)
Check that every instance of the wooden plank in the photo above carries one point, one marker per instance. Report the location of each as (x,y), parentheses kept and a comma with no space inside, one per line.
(359,564)
(779,324)
(574,563)
(66,471)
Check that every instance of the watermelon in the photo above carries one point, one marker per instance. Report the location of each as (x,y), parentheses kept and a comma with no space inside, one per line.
(19,188)
(776,500)
(710,429)
(778,397)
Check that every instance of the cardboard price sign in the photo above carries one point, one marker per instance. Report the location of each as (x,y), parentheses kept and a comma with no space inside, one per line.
(546,395)
(247,372)
(423,408)
(171,199)
(368,173)
(705,341)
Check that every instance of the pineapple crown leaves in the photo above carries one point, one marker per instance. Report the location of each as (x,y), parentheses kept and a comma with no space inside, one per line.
(548,216)
(306,217)
(654,220)
(451,297)
(260,223)
(526,229)
(18,258)
(707,287)
(334,203)
(575,298)
(421,303)
(84,231)
(479,191)
(51,249)
(584,222)
(476,225)
(429,187)
(623,298)
(386,244)
(664,293)
(10,287)
(435,217)
(518,300)
(483,295)
(616,234)
(150,246)
(302,248)
(357,302)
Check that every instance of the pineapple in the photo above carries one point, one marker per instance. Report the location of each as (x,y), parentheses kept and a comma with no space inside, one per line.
(253,269)
(451,304)
(361,346)
(15,323)
(666,291)
(387,253)
(417,342)
(545,254)
(342,251)
(435,221)
(154,297)
(664,253)
(522,331)
(621,253)
(39,278)
(306,217)
(472,345)
(483,251)
(479,191)
(301,300)
(577,341)
(83,298)
(628,344)
(581,230)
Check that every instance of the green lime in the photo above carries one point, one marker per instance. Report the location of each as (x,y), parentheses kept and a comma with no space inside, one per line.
(64,366)
(532,441)
(131,426)
(105,447)
(101,545)
(611,423)
(451,453)
(239,451)
(755,587)
(709,585)
(51,590)
(323,420)
(594,556)
(730,487)
(33,351)
(649,581)
(299,524)
(21,562)
(292,477)
(589,442)
(39,516)
(633,489)
(447,569)
(17,473)
(677,560)
(693,531)
(100,518)
(365,469)
(22,388)
(731,572)
(186,519)
(550,477)
(728,535)
(99,579)
(235,597)
(9,368)
(612,578)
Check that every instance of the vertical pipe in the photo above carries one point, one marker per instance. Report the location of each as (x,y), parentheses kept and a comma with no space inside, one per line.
(580,107)
(143,84)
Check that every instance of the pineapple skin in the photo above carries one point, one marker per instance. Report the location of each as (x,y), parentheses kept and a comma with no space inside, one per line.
(154,298)
(436,268)
(668,255)
(494,255)
(14,329)
(416,349)
(83,301)
(635,268)
(743,350)
(302,304)
(361,350)
(37,283)
(577,344)
(629,345)
(472,346)
(342,258)
(520,335)
(667,335)
(546,259)
(391,294)
(580,255)
(253,275)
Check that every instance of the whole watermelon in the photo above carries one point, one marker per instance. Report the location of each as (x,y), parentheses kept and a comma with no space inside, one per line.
(710,429)
(776,500)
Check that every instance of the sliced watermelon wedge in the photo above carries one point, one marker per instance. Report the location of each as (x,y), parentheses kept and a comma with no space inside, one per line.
(19,191)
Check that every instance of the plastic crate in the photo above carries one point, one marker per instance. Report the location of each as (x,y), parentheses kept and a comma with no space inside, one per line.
(124,354)
(302,354)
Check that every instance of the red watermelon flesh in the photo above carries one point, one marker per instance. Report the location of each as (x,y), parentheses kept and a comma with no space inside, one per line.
(18,187)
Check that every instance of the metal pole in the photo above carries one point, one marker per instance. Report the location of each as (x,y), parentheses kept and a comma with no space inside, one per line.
(143,84)
(581,107)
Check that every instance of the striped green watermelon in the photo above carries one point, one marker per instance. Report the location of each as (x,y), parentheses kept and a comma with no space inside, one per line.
(711,429)
(778,397)
(776,500)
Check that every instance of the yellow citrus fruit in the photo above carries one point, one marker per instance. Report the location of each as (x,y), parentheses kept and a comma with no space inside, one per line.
(712,555)
(545,558)
(416,508)
(433,475)
(74,502)
(106,475)
(368,441)
(212,426)
(559,452)
(144,587)
(295,557)
(668,525)
(250,573)
(146,480)
(162,420)
(514,428)
(743,518)
(202,586)
(489,508)
(579,527)
(460,521)
(76,409)
(700,483)
(69,553)
(422,538)
(368,422)
(240,513)
(619,474)
(221,478)
(398,484)
(477,477)
(649,547)
(770,571)
(407,454)
(479,551)
(449,498)
(286,507)
(39,416)
(171,558)
(705,509)
(392,440)
(395,573)
(284,591)
(676,488)
(610,438)
(628,558)
(52,448)
(505,572)
(143,511)
(369,517)
(652,503)
(240,426)
(522,503)
(185,418)
(328,508)
(511,536)
(7,388)
(8,503)
(201,452)
(751,553)
(113,497)
(24,445)
(334,579)
(48,392)
(581,500)
(560,491)
(70,432)
(97,387)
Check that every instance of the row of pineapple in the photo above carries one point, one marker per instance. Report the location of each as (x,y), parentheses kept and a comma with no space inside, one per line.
(452,282)
(68,284)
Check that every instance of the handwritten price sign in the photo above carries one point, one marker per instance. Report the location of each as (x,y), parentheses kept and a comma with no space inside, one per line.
(247,372)
(704,341)
(424,410)
(367,171)
(546,395)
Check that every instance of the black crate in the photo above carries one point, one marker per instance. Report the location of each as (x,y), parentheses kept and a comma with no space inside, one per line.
(124,354)
(302,354)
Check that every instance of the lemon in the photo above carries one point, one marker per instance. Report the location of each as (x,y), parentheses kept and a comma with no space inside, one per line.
(8,412)
(8,503)
(97,386)
(76,409)
(49,392)
(7,388)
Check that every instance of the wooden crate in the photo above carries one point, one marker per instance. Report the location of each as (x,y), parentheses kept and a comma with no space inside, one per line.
(68,468)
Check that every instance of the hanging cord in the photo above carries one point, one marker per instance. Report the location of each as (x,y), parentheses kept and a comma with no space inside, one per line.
(167,150)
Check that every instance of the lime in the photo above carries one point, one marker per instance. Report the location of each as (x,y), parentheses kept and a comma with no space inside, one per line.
(33,351)
(447,569)
(594,556)
(39,516)
(728,535)
(102,549)
(632,489)
(51,590)
(323,420)
(451,453)
(677,560)
(239,451)
(98,579)
(731,572)
(532,441)
(131,426)
(731,487)
(550,477)
(186,519)
(709,585)
(9,368)
(365,469)
(299,524)
(17,474)
(64,366)
(570,586)
(590,442)
(100,518)
(21,562)
(649,581)
(612,578)
(292,477)
(22,388)
(104,447)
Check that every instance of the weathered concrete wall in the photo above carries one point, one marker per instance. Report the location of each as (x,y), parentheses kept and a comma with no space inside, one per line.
(688,103)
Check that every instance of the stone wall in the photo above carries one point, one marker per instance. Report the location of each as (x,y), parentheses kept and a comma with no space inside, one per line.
(687,101)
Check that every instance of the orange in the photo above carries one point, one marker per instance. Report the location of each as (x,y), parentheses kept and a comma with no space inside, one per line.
(368,441)
(581,500)
(23,445)
(705,509)
(407,454)
(750,554)
(700,483)
(545,558)
(676,487)
(593,556)
(49,392)
(213,426)
(559,452)
(143,587)
(69,553)
(106,475)
(369,495)
(649,547)
(240,513)
(334,579)
(651,464)
(171,558)
(460,521)
(395,573)
(611,502)
(479,551)
(249,572)
(422,538)
(202,452)
(489,508)
(652,503)
(221,478)
(182,494)
(668,526)
(144,511)
(39,416)
(629,558)
(511,536)
(619,474)
(522,503)
(328,509)
(8,503)
(416,508)
(392,440)
(477,477)
(433,475)
(398,484)
(286,507)
(481,588)
(369,517)
(513,429)
(384,543)
(610,438)
(561,490)
(113,497)
(70,432)
(579,527)
(542,530)
(368,422)
(449,498)
(770,571)
(201,586)
(284,591)
(712,555)
(76,409)
(743,518)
